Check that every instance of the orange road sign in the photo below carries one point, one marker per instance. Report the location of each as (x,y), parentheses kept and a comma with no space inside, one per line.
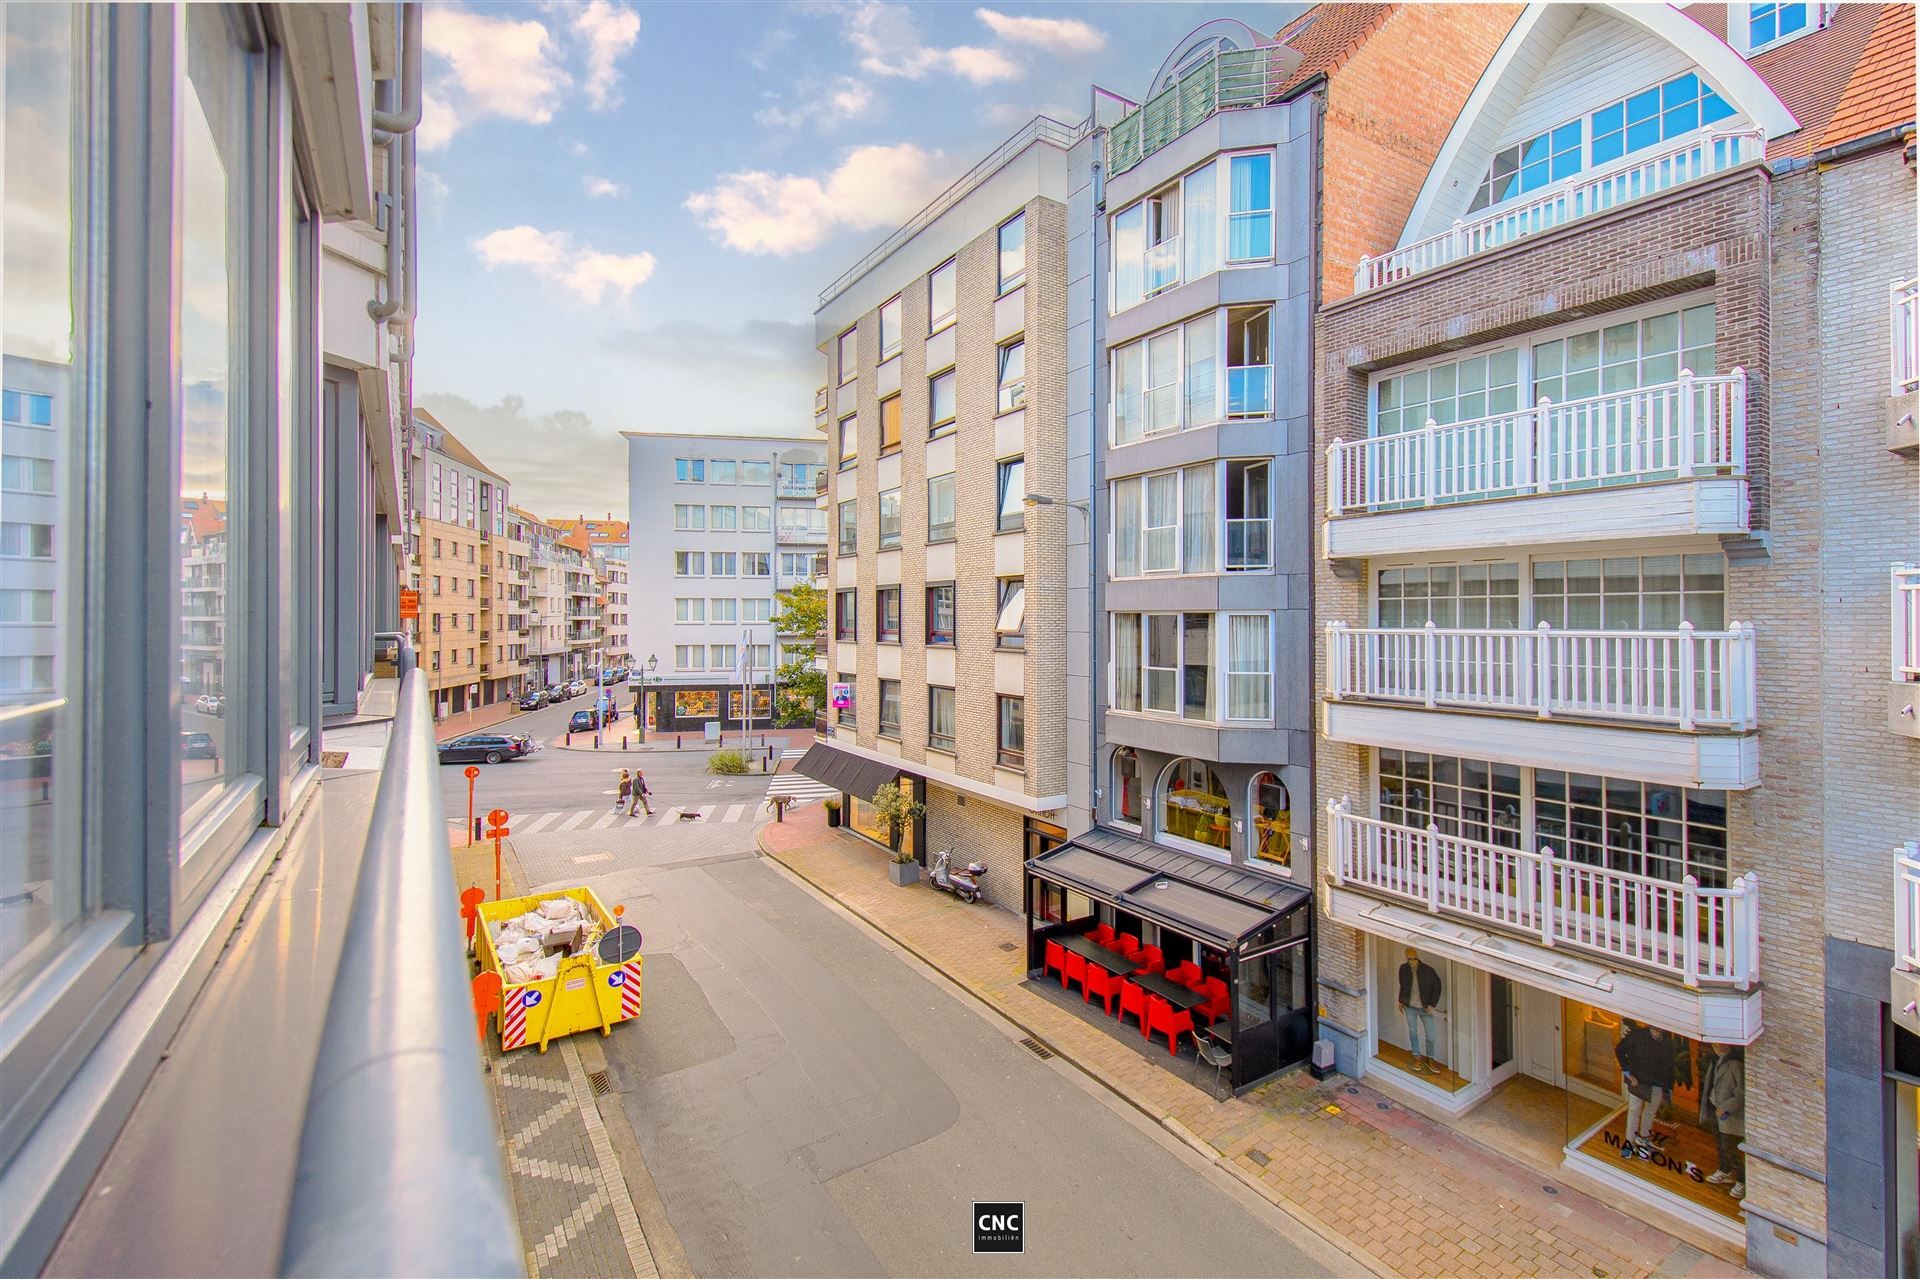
(409,605)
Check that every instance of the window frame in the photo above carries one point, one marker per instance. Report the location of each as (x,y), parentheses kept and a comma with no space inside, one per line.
(848,431)
(892,424)
(889,528)
(1011,640)
(848,531)
(1011,395)
(689,470)
(937,320)
(1004,756)
(848,337)
(890,349)
(882,596)
(884,727)
(945,530)
(1004,471)
(938,424)
(846,615)
(938,636)
(1008,283)
(937,741)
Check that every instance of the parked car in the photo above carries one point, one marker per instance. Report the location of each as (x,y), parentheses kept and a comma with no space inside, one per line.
(584,722)
(532,701)
(210,704)
(198,746)
(485,748)
(576,688)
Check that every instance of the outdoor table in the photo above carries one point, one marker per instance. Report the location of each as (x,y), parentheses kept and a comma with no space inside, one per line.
(1173,992)
(1221,1032)
(1092,951)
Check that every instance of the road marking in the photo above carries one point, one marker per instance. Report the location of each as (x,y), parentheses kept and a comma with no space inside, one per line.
(733,814)
(592,857)
(572,821)
(528,828)
(606,820)
(706,811)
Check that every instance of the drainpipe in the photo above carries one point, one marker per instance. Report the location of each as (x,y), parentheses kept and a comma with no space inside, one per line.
(1097,442)
(407,118)
(399,129)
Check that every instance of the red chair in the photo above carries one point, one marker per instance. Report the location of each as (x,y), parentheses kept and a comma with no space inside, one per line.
(1103,935)
(1216,1006)
(1127,944)
(1056,961)
(1076,971)
(1161,1018)
(1133,1000)
(1150,960)
(1104,984)
(1185,973)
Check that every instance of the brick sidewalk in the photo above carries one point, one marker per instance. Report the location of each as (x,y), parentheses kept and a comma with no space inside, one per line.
(1401,1193)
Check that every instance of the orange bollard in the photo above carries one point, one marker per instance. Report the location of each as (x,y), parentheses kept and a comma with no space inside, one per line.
(470,910)
(486,1000)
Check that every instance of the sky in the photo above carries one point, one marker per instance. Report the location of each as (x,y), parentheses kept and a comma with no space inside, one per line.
(631,209)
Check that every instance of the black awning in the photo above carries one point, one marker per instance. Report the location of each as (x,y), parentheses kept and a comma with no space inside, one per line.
(844,771)
(1221,905)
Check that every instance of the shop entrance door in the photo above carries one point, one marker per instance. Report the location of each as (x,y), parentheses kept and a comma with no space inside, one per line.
(1539,1035)
(1503,1026)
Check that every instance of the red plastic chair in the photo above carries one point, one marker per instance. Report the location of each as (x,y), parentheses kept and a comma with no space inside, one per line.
(1104,984)
(1185,973)
(1133,1000)
(1056,960)
(1161,1018)
(1216,1006)
(1076,971)
(1150,960)
(1103,935)
(1127,944)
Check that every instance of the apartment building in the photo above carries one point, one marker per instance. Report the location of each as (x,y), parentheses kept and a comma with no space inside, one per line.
(549,658)
(464,577)
(177,335)
(1606,792)
(712,519)
(616,622)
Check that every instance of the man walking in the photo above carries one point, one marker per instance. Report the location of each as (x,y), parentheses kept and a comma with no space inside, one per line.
(1646,1072)
(641,795)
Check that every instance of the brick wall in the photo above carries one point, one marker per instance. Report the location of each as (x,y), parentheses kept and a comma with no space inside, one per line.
(979,831)
(1046,473)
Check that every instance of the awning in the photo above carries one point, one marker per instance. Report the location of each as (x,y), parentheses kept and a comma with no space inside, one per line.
(1214,903)
(845,771)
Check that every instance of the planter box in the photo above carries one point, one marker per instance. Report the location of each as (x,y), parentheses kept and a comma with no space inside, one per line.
(833,817)
(904,873)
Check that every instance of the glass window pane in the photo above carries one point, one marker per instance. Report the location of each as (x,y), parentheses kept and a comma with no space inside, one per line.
(940,295)
(1202,246)
(1013,252)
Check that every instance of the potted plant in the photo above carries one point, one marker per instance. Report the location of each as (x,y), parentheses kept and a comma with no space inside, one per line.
(896,808)
(833,811)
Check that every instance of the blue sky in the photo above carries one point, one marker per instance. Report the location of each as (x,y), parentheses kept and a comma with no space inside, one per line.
(632,208)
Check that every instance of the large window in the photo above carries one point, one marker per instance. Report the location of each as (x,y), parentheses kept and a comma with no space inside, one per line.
(1249,361)
(1249,517)
(1171,522)
(849,355)
(940,602)
(940,718)
(1012,745)
(1457,391)
(689,470)
(941,404)
(1010,625)
(890,425)
(689,518)
(1250,213)
(1174,235)
(849,512)
(890,519)
(940,509)
(1013,495)
(1167,380)
(1167,664)
(846,615)
(1126,800)
(1013,376)
(890,708)
(889,329)
(849,432)
(1629,593)
(1624,356)
(941,297)
(1470,596)
(1194,807)
(887,605)
(1272,820)
(1013,252)
(1249,666)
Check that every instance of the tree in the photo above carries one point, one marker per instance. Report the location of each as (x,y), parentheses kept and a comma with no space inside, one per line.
(802,685)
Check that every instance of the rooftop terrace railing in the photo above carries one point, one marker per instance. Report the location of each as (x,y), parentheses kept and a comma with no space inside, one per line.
(1225,80)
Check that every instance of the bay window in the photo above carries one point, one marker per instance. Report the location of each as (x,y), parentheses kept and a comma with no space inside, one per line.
(1249,361)
(1250,208)
(1174,235)
(1168,380)
(1172,522)
(1197,516)
(1202,339)
(1160,267)
(1172,663)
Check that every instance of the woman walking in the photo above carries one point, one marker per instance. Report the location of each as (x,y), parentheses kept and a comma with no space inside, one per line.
(623,795)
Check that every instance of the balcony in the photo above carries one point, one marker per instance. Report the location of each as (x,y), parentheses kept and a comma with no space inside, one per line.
(1249,545)
(1903,382)
(796,489)
(1632,937)
(819,400)
(1667,460)
(1903,694)
(1906,936)
(1635,178)
(1225,80)
(1668,706)
(801,536)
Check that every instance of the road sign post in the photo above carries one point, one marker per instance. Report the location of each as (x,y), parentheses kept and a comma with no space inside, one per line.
(497,831)
(473,775)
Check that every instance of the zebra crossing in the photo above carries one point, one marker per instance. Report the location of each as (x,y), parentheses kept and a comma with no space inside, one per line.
(582,820)
(798,789)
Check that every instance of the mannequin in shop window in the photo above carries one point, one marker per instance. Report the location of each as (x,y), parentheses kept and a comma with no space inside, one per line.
(1723,1109)
(1646,1073)
(1420,993)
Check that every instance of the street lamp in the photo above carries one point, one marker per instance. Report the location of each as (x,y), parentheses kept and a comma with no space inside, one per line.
(640,702)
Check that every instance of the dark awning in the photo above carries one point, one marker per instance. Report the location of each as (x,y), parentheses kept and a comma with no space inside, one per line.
(845,771)
(1221,905)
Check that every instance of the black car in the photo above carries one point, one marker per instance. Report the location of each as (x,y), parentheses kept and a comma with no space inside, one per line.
(198,746)
(485,748)
(583,722)
(531,701)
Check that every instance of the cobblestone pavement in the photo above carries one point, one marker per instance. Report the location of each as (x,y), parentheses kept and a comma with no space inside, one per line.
(576,1215)
(1400,1192)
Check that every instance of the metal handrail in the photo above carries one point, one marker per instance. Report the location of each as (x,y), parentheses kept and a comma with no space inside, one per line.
(1039,129)
(400,1169)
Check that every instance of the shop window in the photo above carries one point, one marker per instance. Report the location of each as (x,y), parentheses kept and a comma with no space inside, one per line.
(1423,1016)
(1194,807)
(1126,787)
(1272,820)
(696,703)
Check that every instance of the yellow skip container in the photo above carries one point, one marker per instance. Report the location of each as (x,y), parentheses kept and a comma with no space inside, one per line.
(586,992)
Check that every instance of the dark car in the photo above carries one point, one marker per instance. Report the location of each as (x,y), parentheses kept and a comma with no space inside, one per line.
(531,701)
(583,722)
(485,748)
(198,746)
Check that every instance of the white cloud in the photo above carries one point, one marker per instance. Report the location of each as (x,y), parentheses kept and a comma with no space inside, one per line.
(554,256)
(496,67)
(434,192)
(578,149)
(601,188)
(825,107)
(1056,35)
(781,213)
(889,44)
(609,30)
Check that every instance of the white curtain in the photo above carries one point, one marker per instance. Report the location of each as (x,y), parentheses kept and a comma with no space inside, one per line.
(1163,382)
(1249,668)
(1203,347)
(1202,245)
(1126,661)
(1198,520)
(1126,527)
(1163,528)
(1129,250)
(1129,377)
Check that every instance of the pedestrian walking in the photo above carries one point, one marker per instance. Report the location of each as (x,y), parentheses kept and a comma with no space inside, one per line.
(624,795)
(642,793)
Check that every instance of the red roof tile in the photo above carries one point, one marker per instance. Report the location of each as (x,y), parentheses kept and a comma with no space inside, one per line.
(1326,35)
(1881,93)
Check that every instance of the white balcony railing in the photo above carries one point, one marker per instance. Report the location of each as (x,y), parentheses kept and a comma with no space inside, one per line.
(1671,430)
(1906,908)
(819,400)
(1904,312)
(1906,623)
(800,536)
(1699,935)
(1683,678)
(1160,266)
(789,487)
(1580,196)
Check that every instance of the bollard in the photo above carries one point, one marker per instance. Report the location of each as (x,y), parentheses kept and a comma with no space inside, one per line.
(476,830)
(596,740)
(623,741)
(676,741)
(569,737)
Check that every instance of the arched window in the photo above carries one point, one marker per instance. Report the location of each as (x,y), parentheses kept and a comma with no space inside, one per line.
(1272,820)
(1194,808)
(1126,786)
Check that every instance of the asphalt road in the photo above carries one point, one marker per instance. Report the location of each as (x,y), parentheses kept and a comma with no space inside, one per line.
(810,1101)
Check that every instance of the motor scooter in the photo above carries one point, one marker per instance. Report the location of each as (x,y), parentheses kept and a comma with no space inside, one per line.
(962,884)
